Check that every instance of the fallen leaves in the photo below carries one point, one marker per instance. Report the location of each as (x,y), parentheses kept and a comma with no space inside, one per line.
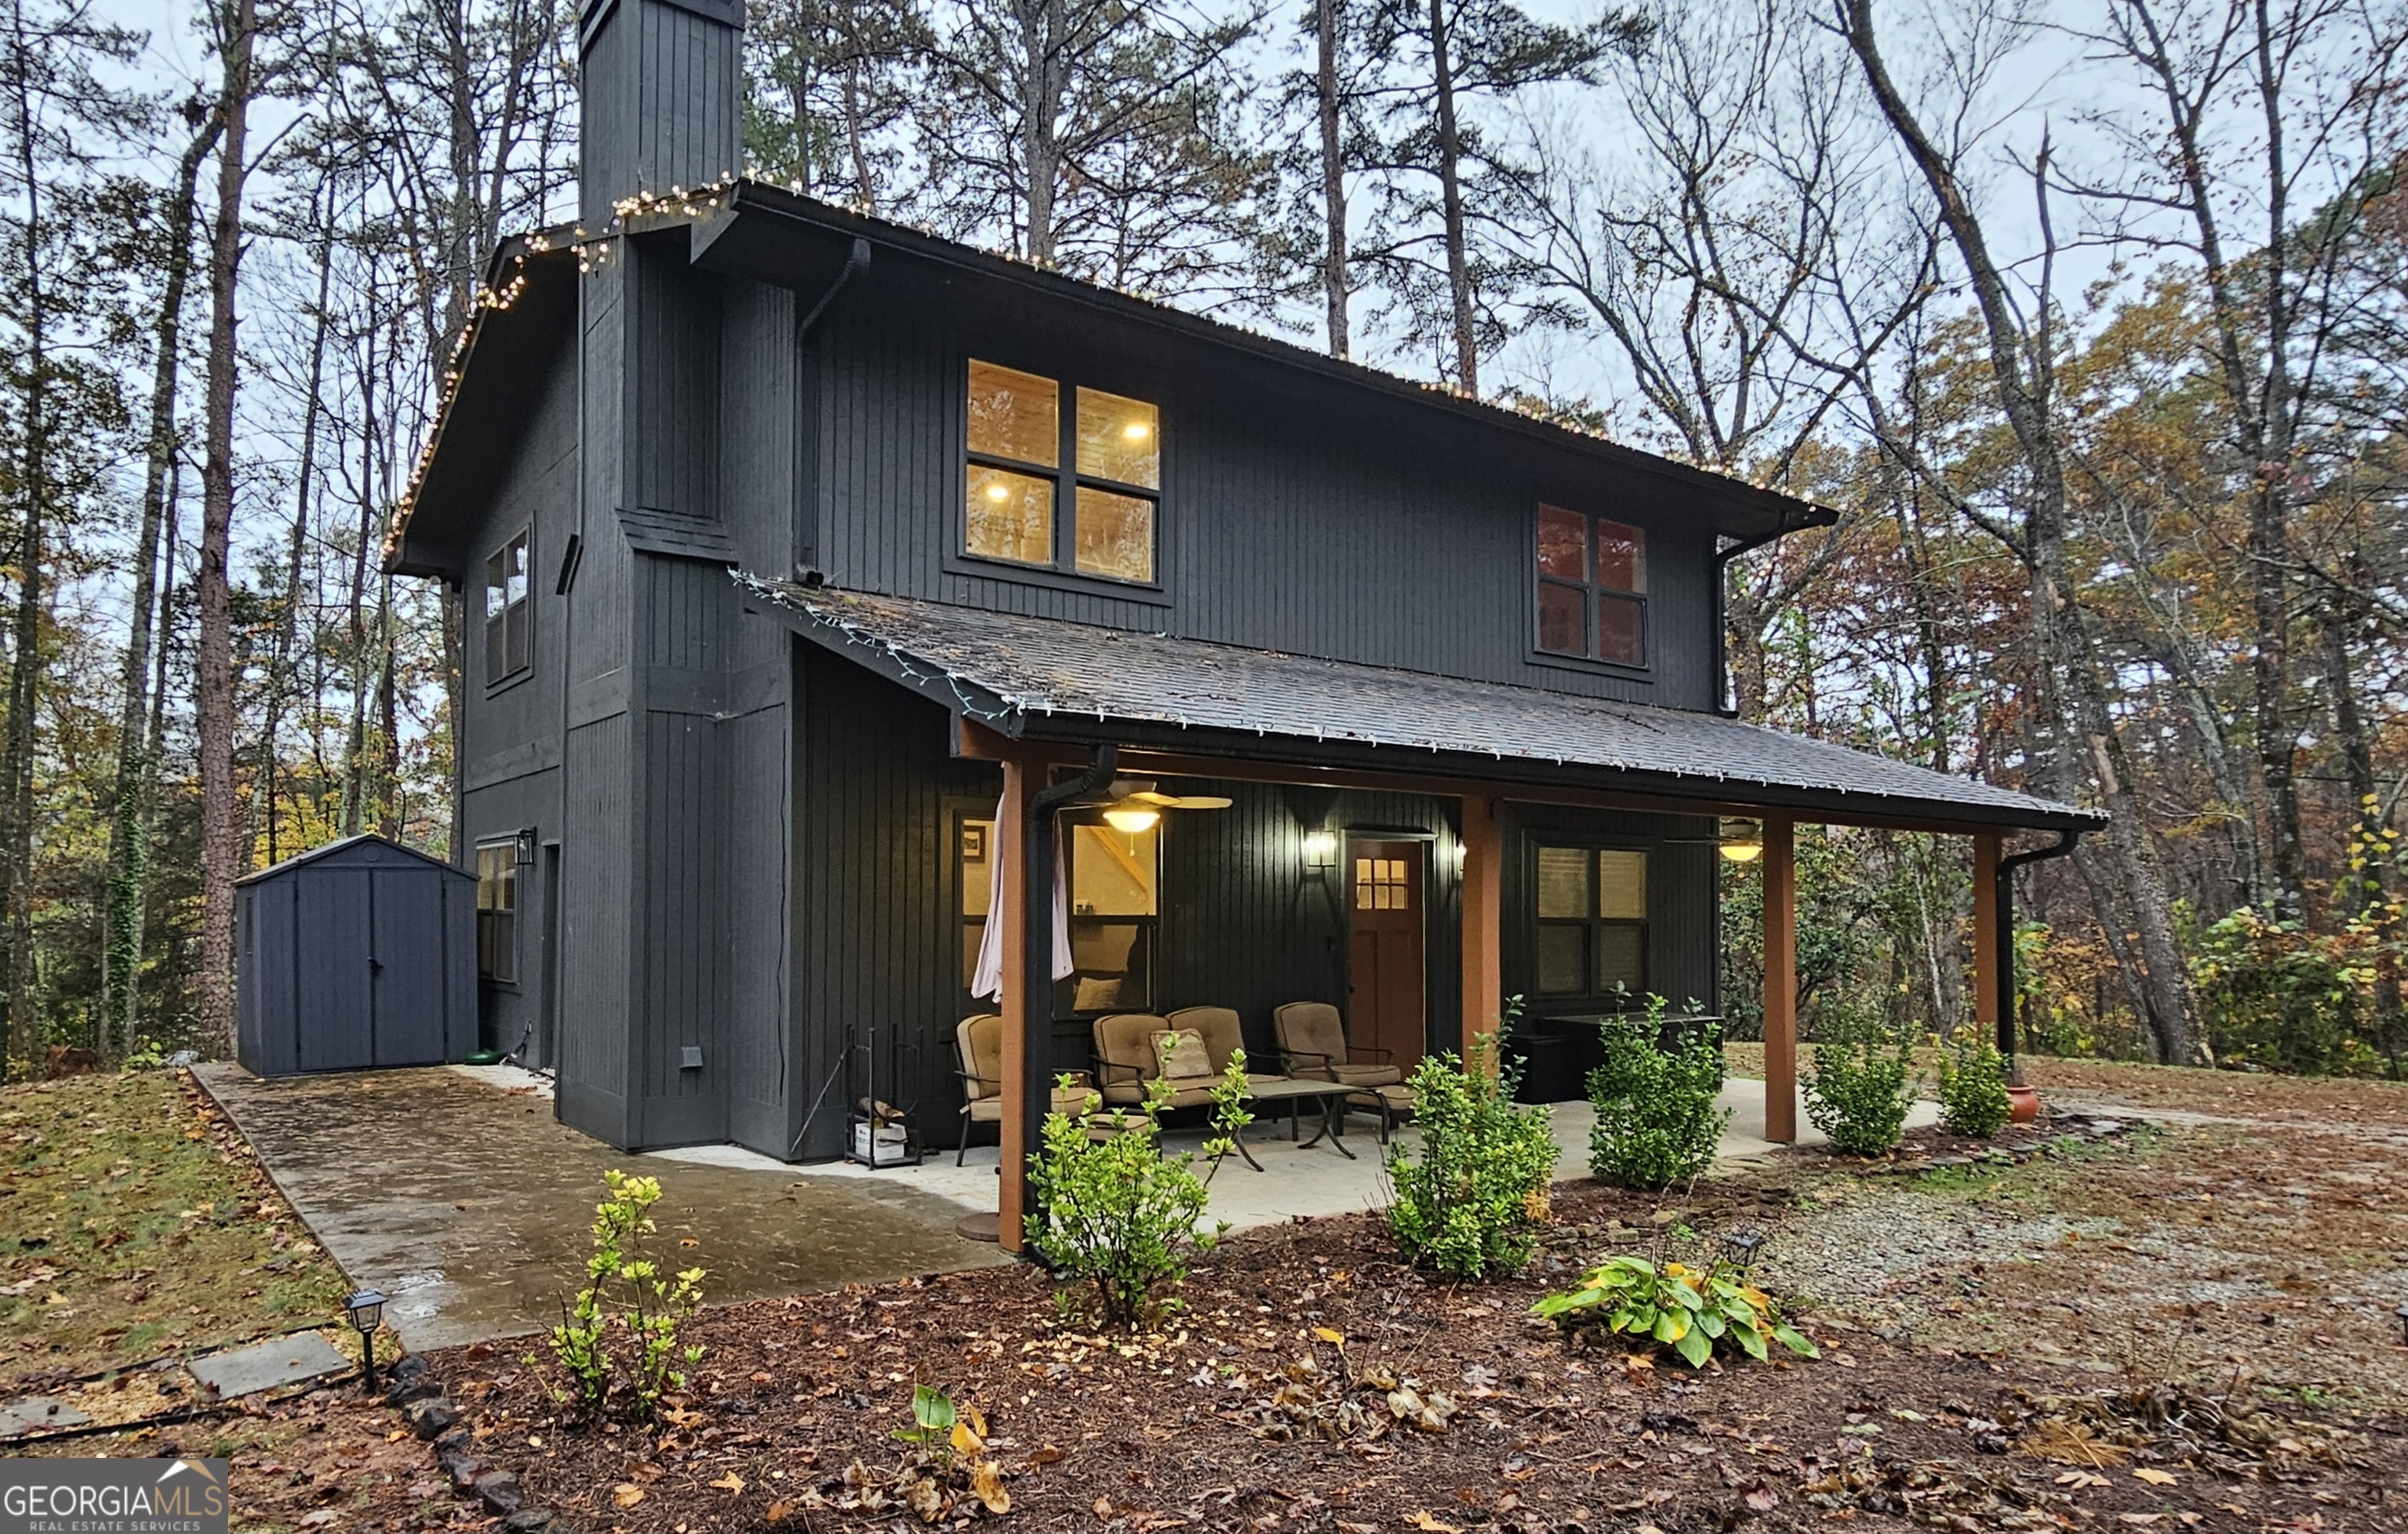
(626,1494)
(2155,1478)
(731,1482)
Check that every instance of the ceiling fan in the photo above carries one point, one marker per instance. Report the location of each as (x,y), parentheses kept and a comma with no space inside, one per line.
(1135,805)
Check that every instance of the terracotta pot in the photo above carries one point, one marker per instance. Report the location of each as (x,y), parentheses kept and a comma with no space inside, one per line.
(2023,1105)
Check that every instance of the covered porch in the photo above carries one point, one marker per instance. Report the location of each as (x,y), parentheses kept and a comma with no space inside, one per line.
(1066,710)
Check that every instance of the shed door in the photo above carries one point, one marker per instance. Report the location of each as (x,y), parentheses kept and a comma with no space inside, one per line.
(406,967)
(332,936)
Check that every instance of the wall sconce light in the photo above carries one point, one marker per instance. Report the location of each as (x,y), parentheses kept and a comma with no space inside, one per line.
(364,1311)
(1132,818)
(524,853)
(1742,840)
(1321,849)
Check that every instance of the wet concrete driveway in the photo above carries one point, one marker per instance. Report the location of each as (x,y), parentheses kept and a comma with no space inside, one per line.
(468,1205)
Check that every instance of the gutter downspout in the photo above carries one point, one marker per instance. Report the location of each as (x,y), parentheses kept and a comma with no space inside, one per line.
(2004,909)
(1722,557)
(1038,846)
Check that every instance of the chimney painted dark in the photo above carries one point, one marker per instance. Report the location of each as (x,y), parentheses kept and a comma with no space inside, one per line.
(661,89)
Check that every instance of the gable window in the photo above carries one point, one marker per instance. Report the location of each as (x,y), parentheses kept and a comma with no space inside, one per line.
(1115,917)
(509,614)
(1029,460)
(1592,587)
(1591,916)
(497,911)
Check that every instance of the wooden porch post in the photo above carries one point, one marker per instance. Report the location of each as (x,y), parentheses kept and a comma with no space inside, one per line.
(1780,979)
(1484,920)
(1988,1012)
(1020,1065)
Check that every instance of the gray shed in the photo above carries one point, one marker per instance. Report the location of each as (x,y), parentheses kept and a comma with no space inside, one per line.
(361,953)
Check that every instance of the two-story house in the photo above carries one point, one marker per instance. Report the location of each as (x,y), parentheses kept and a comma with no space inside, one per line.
(815,567)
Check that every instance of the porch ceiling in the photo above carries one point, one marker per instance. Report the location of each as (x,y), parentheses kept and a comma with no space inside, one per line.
(1044,679)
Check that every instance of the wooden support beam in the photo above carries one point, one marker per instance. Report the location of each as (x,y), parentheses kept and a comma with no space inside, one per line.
(1780,981)
(1988,996)
(1021,1067)
(1484,921)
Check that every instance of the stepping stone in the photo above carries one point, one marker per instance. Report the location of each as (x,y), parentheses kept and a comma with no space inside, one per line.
(264,1365)
(36,1414)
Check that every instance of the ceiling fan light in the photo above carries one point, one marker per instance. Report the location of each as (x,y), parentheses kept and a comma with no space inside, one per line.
(1742,840)
(1132,818)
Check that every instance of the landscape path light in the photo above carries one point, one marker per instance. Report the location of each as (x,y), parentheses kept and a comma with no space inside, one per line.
(364,1311)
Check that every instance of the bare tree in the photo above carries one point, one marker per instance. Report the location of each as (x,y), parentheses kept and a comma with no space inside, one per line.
(2089,753)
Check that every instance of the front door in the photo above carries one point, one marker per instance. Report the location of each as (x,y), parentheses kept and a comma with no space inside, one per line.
(1385,989)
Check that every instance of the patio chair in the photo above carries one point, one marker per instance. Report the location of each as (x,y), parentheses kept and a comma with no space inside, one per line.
(979,1041)
(1312,1042)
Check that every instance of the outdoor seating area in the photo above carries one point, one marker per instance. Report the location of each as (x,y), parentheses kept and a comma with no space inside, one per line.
(1190,1050)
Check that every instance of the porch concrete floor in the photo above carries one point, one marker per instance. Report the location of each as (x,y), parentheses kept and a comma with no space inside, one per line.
(1294,1181)
(456,1193)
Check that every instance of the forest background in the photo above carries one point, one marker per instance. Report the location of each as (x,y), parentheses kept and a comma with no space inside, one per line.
(2089,316)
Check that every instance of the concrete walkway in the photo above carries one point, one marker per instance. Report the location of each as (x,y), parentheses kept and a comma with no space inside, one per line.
(456,1193)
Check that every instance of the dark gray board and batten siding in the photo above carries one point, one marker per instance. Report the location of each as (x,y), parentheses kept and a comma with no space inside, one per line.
(361,953)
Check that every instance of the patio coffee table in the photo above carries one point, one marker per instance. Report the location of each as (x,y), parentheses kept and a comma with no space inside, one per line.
(1331,1096)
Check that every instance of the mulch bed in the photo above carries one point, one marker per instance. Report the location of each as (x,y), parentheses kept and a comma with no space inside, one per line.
(1315,1383)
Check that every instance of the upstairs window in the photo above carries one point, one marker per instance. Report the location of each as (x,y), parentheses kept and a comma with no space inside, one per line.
(1592,915)
(1028,457)
(1592,587)
(508,615)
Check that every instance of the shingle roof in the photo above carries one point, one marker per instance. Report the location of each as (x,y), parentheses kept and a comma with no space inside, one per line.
(1045,677)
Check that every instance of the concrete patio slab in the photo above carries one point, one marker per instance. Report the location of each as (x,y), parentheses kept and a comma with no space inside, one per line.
(463,1199)
(1295,1181)
(264,1365)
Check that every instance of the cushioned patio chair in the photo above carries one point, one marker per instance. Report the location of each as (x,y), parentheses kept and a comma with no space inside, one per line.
(1312,1042)
(979,1041)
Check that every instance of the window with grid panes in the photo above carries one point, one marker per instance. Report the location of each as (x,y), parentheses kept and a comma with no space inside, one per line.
(1030,458)
(1591,909)
(1592,587)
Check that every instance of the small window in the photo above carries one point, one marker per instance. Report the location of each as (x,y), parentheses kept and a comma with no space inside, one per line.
(978,869)
(497,911)
(1591,906)
(1592,587)
(1027,461)
(1381,883)
(1115,917)
(509,614)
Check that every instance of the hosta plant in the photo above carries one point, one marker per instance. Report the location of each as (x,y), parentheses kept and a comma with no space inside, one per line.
(1690,1311)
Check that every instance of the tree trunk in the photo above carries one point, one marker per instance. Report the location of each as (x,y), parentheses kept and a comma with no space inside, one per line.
(2021,369)
(123,894)
(2367,894)
(17,767)
(1450,181)
(221,855)
(1042,25)
(1334,286)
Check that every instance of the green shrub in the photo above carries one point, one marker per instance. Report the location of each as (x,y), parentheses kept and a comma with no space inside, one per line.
(1861,1087)
(1685,1308)
(1973,1089)
(625,1293)
(1470,1205)
(2279,998)
(1115,1210)
(1657,1121)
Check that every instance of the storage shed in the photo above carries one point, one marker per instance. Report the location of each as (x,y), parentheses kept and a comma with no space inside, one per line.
(361,953)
